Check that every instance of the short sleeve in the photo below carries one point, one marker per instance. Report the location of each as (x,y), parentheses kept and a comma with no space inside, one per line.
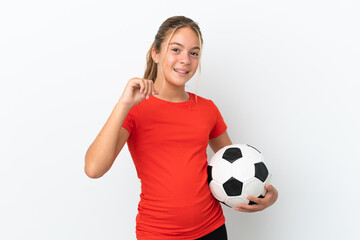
(219,126)
(129,122)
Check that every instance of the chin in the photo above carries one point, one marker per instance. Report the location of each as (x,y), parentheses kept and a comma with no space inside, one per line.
(178,81)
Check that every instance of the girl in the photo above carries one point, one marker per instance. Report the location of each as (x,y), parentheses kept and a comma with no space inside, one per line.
(168,130)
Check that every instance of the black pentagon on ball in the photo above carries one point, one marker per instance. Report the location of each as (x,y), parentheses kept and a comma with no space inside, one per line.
(261,171)
(233,187)
(232,154)
(209,171)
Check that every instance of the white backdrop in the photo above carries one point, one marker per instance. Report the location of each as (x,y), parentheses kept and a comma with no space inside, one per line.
(284,74)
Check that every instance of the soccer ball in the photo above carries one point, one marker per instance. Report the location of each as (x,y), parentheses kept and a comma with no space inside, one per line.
(236,171)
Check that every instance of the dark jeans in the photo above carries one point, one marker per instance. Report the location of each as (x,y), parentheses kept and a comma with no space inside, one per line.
(217,234)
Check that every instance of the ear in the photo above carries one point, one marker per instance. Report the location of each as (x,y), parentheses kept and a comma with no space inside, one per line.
(155,55)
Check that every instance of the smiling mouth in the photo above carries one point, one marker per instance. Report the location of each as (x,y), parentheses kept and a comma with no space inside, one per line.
(180,71)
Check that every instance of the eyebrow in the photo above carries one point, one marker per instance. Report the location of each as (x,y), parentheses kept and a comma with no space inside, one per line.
(176,43)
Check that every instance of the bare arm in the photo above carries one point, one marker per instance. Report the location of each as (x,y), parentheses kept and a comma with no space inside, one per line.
(220,141)
(103,151)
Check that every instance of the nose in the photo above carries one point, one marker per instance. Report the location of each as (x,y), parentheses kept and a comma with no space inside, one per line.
(184,58)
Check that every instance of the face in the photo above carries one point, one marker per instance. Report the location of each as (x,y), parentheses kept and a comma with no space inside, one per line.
(181,60)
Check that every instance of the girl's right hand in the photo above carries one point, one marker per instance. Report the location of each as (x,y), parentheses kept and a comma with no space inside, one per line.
(136,90)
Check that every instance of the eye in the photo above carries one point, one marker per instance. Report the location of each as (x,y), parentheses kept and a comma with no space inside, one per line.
(175,50)
(194,53)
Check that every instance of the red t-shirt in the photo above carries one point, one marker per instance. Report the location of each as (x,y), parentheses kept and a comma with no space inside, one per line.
(168,144)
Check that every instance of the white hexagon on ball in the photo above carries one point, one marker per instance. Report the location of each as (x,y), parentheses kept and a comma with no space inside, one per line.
(253,187)
(218,191)
(252,154)
(221,171)
(234,201)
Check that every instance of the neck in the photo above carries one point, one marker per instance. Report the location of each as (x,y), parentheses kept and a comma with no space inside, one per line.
(170,92)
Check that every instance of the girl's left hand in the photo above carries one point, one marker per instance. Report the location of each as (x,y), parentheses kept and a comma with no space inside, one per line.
(261,203)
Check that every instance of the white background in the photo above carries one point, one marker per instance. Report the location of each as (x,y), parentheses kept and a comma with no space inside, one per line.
(284,74)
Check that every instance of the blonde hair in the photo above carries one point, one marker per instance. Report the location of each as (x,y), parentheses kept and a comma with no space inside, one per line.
(170,24)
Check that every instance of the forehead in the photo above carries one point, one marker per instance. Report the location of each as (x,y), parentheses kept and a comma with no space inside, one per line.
(186,36)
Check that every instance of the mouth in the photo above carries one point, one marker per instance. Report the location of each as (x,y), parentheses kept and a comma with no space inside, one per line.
(182,71)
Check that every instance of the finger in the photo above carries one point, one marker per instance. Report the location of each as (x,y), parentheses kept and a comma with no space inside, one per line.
(140,84)
(242,210)
(249,208)
(146,87)
(144,92)
(269,187)
(269,191)
(149,90)
(152,91)
(152,88)
(256,200)
(134,83)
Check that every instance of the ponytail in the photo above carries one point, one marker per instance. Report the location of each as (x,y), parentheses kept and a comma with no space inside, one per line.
(151,67)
